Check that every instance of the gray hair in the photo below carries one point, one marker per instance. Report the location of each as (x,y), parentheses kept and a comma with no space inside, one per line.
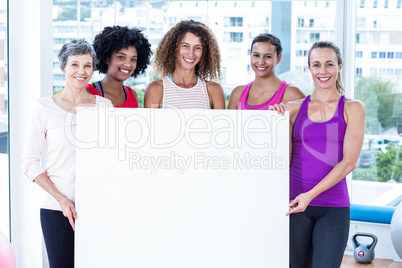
(76,47)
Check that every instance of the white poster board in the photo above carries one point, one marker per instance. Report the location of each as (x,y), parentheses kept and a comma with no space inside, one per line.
(181,189)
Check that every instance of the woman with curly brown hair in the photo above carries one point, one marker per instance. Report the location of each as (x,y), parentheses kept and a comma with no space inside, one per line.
(122,53)
(186,57)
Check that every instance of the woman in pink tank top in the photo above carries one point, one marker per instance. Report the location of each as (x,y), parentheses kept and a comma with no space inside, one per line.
(327,132)
(267,89)
(186,57)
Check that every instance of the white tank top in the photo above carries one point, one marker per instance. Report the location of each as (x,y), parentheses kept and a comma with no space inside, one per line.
(176,97)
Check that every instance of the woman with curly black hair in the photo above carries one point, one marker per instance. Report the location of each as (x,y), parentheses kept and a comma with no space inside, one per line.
(186,57)
(121,53)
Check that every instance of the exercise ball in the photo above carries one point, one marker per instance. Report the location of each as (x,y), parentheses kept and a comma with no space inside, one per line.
(396,230)
(7,258)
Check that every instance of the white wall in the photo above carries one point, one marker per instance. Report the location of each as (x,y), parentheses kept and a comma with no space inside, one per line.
(30,57)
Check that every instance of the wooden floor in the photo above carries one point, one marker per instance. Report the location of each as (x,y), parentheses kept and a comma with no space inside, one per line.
(349,262)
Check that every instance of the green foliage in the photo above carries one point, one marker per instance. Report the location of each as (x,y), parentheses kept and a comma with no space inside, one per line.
(140,95)
(389,164)
(378,98)
(365,174)
(56,91)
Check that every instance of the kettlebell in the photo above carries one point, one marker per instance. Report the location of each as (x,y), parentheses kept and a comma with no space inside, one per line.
(364,253)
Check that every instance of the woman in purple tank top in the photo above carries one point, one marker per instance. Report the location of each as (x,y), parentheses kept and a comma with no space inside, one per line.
(327,133)
(267,89)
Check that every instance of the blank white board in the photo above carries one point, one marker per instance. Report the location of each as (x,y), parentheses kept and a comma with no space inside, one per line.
(181,188)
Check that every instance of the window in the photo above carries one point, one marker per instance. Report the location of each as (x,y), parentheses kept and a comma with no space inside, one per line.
(362,3)
(382,128)
(359,72)
(311,23)
(357,38)
(314,37)
(300,22)
(398,72)
(359,54)
(398,4)
(234,37)
(299,53)
(233,22)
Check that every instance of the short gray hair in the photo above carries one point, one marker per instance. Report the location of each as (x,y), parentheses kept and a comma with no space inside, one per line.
(76,47)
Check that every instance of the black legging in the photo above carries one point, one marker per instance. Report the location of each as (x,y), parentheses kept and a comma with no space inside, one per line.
(318,237)
(59,238)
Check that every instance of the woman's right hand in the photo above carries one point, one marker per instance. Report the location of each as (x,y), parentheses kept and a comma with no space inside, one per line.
(68,208)
(280,108)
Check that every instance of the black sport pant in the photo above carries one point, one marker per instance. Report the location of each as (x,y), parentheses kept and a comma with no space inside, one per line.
(59,238)
(318,237)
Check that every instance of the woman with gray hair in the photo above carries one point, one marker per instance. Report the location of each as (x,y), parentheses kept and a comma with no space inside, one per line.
(53,120)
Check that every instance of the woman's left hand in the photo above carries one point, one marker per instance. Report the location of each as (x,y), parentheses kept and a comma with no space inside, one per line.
(299,204)
(279,107)
(68,209)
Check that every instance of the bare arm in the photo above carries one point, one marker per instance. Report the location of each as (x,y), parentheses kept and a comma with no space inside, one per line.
(235,97)
(216,96)
(291,94)
(153,95)
(67,206)
(352,144)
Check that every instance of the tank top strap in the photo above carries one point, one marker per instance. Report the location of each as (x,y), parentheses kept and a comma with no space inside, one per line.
(279,93)
(304,106)
(341,105)
(244,96)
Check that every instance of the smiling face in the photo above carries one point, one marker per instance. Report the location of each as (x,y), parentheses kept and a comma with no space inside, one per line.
(190,52)
(324,67)
(78,70)
(122,63)
(264,58)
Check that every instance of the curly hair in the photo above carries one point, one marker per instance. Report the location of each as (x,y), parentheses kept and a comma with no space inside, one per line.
(113,39)
(208,68)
